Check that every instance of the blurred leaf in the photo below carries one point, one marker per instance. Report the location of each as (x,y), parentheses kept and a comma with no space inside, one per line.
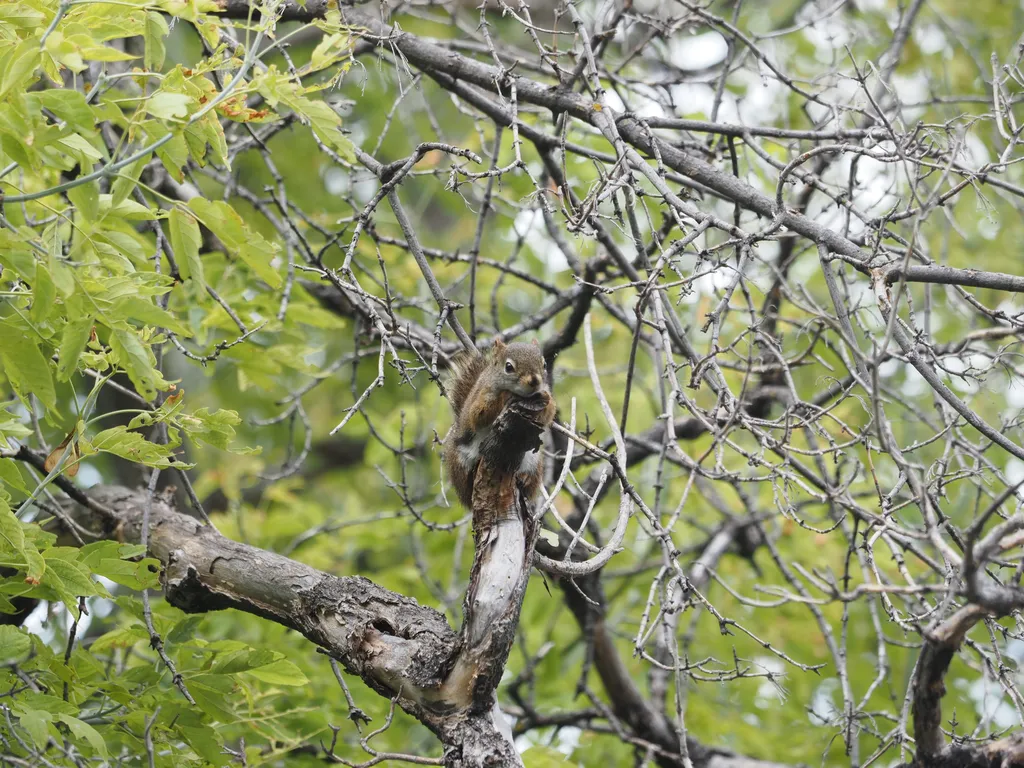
(186,241)
(14,643)
(26,368)
(247,245)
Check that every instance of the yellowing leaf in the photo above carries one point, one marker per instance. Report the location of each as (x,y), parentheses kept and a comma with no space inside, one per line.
(168,105)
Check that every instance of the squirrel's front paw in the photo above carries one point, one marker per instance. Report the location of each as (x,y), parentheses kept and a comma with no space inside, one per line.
(535,402)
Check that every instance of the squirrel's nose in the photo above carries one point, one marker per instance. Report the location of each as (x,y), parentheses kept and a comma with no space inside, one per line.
(534,380)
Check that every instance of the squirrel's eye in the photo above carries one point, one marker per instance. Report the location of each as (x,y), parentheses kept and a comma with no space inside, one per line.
(510,367)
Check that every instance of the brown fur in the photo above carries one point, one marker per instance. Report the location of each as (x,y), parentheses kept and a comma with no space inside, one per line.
(466,369)
(476,400)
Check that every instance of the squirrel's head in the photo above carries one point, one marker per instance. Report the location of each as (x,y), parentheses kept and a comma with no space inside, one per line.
(520,367)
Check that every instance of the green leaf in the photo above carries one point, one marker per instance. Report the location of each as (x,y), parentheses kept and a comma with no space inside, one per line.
(206,741)
(60,273)
(97,551)
(27,369)
(149,313)
(278,88)
(126,181)
(330,49)
(20,15)
(174,154)
(80,148)
(144,574)
(14,643)
(36,566)
(10,426)
(216,429)
(185,241)
(155,32)
(70,106)
(281,672)
(66,579)
(12,536)
(167,105)
(82,730)
(64,562)
(544,757)
(126,209)
(123,637)
(11,477)
(44,295)
(18,64)
(241,661)
(213,695)
(244,243)
(316,317)
(37,724)
(86,199)
(169,410)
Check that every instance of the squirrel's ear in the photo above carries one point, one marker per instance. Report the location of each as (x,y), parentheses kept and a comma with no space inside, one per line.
(499,346)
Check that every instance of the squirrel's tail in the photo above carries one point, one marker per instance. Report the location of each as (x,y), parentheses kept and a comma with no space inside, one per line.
(466,369)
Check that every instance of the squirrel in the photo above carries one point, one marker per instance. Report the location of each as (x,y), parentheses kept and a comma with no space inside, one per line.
(478,389)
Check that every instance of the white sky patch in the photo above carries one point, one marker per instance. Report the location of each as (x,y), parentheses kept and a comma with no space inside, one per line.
(877,195)
(889,368)
(766,99)
(695,98)
(987,227)
(991,703)
(1015,650)
(88,475)
(335,180)
(1014,470)
(357,133)
(956,365)
(647,107)
(931,40)
(1015,395)
(531,224)
(823,706)
(912,89)
(34,625)
(614,101)
(697,52)
(976,151)
(566,739)
(828,36)
(914,384)
(769,693)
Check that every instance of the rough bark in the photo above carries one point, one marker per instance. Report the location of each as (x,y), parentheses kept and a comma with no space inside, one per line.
(397,646)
